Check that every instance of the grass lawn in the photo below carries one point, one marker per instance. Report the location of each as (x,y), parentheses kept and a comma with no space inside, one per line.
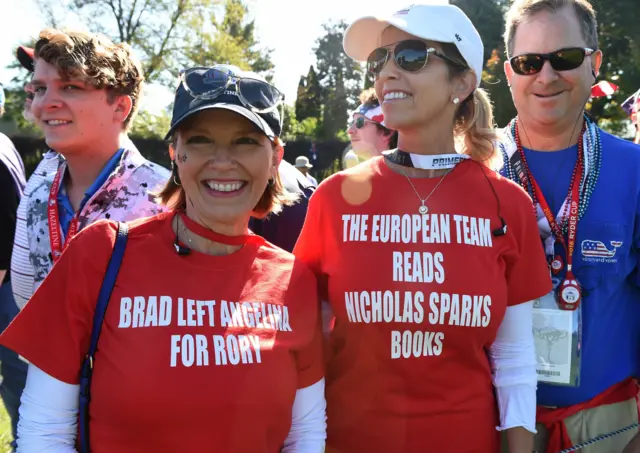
(5,430)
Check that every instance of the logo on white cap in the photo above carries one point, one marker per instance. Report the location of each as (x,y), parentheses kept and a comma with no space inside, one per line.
(404,10)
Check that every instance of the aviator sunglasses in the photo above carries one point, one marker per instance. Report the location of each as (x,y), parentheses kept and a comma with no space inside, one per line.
(209,83)
(410,55)
(560,60)
(360,122)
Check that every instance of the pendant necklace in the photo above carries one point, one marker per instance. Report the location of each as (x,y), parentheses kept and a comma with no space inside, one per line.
(423,207)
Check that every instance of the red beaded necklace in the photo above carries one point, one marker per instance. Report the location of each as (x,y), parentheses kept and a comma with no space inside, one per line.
(564,218)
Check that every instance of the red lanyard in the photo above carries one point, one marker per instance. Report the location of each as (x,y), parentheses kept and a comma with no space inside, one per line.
(569,292)
(55,231)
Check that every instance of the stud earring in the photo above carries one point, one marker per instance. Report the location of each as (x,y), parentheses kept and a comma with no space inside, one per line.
(456,101)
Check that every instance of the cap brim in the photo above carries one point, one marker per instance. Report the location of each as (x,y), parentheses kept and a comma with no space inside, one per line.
(363,36)
(25,57)
(240,110)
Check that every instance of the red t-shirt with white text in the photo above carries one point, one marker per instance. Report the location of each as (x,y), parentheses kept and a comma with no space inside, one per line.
(418,300)
(197,353)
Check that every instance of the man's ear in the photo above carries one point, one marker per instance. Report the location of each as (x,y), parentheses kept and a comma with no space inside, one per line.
(123,107)
(596,62)
(508,71)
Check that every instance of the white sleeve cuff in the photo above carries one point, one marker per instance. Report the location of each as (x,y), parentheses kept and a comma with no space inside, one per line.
(48,414)
(308,421)
(513,366)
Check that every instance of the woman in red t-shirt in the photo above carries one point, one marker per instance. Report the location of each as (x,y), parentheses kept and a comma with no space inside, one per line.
(429,260)
(211,340)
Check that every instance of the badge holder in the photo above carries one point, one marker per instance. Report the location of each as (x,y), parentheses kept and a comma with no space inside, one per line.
(557,317)
(557,333)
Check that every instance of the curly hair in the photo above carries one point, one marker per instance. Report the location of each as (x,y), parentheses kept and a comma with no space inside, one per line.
(95,59)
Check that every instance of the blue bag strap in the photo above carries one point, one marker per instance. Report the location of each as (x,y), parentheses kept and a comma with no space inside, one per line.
(101,308)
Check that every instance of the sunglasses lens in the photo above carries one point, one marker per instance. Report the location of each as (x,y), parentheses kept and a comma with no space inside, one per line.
(567,59)
(376,61)
(259,94)
(360,121)
(202,81)
(527,64)
(411,55)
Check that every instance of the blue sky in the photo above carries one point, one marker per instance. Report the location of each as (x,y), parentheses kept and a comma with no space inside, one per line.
(289,27)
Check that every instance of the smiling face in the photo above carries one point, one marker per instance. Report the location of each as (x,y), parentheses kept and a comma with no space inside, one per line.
(224,162)
(551,98)
(412,99)
(72,114)
(369,140)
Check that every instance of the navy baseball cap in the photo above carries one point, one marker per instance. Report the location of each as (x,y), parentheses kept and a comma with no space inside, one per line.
(186,104)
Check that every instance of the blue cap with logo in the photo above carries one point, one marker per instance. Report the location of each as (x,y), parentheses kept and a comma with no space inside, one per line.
(230,88)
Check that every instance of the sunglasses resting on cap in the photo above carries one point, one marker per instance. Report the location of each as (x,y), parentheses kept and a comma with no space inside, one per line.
(228,87)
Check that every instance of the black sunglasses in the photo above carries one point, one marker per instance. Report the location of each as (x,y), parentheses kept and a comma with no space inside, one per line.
(360,122)
(410,55)
(560,60)
(209,83)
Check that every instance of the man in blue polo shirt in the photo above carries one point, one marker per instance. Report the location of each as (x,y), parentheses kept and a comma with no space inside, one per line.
(586,187)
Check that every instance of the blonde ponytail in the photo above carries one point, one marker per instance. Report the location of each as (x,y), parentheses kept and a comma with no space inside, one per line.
(474,129)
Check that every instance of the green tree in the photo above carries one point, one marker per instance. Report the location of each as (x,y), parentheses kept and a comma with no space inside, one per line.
(488,17)
(309,98)
(619,39)
(336,108)
(14,105)
(157,29)
(150,125)
(340,79)
(171,34)
(292,129)
(232,41)
(494,81)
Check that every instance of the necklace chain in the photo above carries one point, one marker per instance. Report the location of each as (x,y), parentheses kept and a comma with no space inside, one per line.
(592,155)
(423,208)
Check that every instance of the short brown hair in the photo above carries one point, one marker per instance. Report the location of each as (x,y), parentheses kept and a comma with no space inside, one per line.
(96,60)
(273,199)
(522,9)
